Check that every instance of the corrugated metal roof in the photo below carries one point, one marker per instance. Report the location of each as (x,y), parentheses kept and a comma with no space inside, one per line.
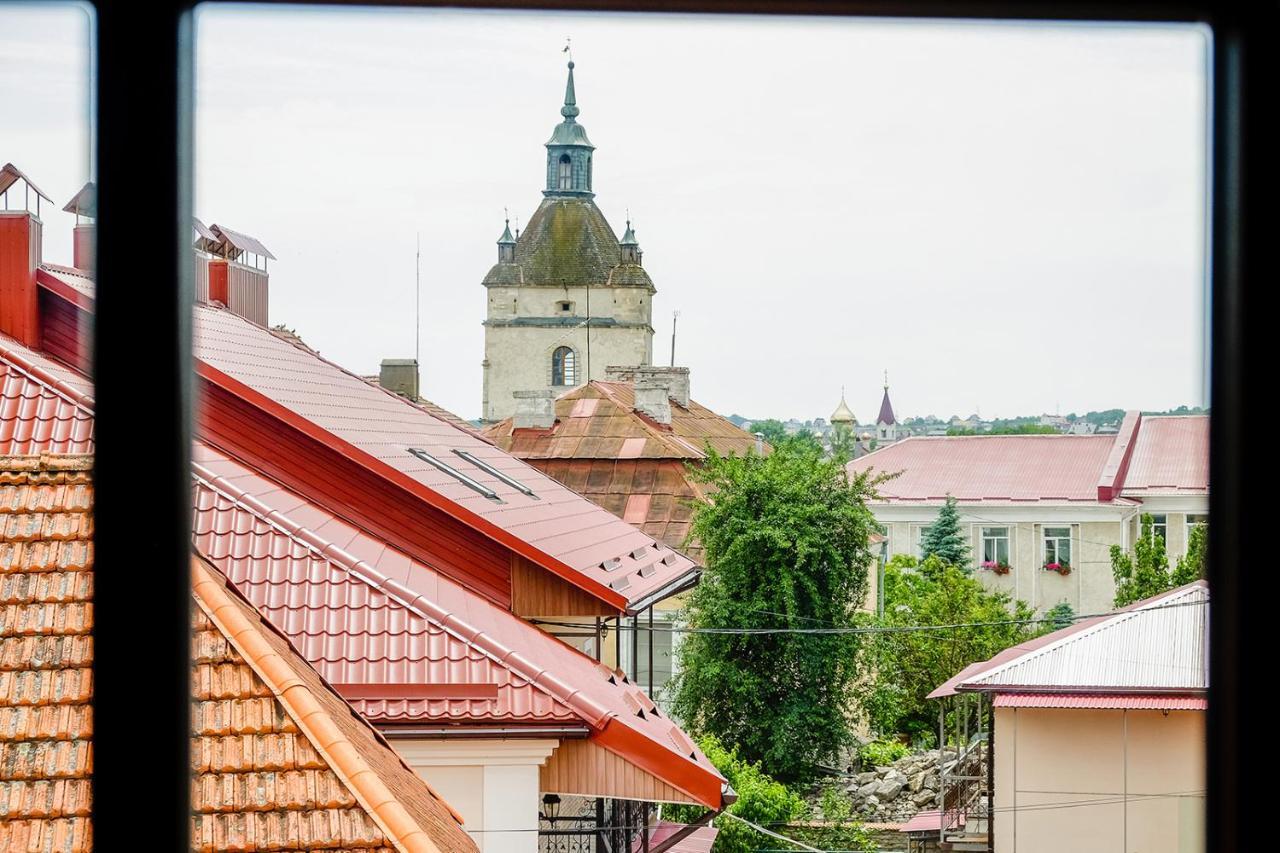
(77,280)
(243,242)
(10,175)
(1160,644)
(991,468)
(556,521)
(40,410)
(1171,456)
(927,821)
(1102,701)
(364,614)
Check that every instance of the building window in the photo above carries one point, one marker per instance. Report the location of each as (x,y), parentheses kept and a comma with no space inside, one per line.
(1160,527)
(995,546)
(566,172)
(1057,545)
(564,367)
(564,307)
(1194,521)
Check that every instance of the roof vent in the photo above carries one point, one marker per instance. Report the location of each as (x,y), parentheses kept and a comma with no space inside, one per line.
(640,553)
(648,571)
(619,584)
(671,559)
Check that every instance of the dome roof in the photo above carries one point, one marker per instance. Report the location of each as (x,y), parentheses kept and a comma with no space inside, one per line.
(568,241)
(843,414)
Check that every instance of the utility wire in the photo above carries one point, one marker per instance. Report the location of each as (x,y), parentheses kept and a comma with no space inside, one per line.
(867,629)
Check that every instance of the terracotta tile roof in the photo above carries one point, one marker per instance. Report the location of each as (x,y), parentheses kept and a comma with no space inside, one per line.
(991,468)
(401,623)
(40,410)
(1171,456)
(46,651)
(281,761)
(555,528)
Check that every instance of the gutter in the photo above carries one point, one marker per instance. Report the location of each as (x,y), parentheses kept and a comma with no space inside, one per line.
(679,585)
(477,732)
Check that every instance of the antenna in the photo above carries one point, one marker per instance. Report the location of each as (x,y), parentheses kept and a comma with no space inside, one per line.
(675,315)
(417,314)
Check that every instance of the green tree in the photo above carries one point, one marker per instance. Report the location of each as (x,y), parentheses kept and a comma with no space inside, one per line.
(944,537)
(786,546)
(843,442)
(1143,573)
(1061,615)
(1190,566)
(908,665)
(773,430)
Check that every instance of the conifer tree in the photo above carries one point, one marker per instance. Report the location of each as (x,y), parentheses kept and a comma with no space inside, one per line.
(944,537)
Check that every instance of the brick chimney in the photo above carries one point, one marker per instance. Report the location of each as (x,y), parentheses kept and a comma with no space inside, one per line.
(674,379)
(21,246)
(85,237)
(399,375)
(534,409)
(653,397)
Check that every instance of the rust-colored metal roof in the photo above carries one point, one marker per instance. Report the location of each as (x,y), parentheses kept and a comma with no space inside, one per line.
(1102,701)
(41,411)
(597,420)
(368,616)
(555,527)
(1171,456)
(79,281)
(991,468)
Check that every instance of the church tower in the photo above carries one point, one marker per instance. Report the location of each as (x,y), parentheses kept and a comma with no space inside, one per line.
(886,423)
(566,298)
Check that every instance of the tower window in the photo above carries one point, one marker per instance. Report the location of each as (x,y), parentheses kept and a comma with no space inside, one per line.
(564,367)
(566,172)
(564,307)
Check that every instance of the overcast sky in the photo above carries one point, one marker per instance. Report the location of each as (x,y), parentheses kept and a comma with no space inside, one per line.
(1008,219)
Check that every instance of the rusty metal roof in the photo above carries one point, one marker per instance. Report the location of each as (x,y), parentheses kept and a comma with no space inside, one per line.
(1170,456)
(1158,645)
(372,619)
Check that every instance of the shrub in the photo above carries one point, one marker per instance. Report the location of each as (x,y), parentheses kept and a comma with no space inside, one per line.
(881,753)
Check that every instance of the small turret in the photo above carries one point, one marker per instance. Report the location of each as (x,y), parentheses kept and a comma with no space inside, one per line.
(631,253)
(506,245)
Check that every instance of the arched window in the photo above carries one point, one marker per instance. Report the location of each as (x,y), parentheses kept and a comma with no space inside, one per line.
(566,172)
(564,367)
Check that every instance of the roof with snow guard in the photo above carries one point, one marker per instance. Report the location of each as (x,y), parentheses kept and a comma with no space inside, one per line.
(1155,647)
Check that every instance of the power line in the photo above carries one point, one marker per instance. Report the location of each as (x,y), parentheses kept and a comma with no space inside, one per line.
(869,629)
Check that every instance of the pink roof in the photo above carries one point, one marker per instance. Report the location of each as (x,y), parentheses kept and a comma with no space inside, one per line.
(926,821)
(558,523)
(1171,457)
(1102,701)
(991,468)
(698,841)
(371,621)
(44,408)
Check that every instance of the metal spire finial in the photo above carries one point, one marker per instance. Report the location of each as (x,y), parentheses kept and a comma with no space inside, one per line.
(886,380)
(570,108)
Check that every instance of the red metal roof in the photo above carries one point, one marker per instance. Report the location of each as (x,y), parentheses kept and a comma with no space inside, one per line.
(1171,456)
(41,410)
(1102,701)
(928,821)
(991,468)
(555,528)
(365,615)
(698,841)
(68,282)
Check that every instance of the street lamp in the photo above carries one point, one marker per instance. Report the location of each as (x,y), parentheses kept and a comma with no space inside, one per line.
(550,807)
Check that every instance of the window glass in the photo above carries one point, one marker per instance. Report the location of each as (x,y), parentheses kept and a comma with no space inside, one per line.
(995,545)
(1057,546)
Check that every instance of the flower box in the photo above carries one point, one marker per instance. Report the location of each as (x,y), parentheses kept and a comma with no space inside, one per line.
(1063,569)
(1000,568)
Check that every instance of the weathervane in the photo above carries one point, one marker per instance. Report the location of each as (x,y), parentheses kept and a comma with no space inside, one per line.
(568,48)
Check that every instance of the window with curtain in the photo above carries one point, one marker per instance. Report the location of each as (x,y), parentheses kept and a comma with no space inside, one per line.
(564,367)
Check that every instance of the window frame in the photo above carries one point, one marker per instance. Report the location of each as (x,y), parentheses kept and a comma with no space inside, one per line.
(147,59)
(1007,538)
(568,366)
(1069,539)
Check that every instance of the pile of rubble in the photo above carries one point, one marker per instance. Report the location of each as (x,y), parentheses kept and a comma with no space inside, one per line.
(896,793)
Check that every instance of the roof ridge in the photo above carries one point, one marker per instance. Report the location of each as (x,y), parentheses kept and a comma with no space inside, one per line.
(377,799)
(404,595)
(43,377)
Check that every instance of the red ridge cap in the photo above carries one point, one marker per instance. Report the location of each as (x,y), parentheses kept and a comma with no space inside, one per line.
(1111,482)
(62,389)
(398,478)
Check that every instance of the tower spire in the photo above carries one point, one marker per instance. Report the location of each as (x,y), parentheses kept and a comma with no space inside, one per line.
(569,150)
(570,109)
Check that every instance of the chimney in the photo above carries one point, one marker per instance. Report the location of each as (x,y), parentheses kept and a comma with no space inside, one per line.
(231,269)
(675,379)
(21,245)
(400,375)
(84,239)
(534,409)
(653,397)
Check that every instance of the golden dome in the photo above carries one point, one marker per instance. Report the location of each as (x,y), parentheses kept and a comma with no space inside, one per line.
(843,414)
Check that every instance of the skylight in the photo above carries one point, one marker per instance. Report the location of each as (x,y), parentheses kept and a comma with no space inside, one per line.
(455,473)
(489,469)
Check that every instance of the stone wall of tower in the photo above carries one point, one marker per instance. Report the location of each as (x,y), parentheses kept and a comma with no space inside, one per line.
(518,356)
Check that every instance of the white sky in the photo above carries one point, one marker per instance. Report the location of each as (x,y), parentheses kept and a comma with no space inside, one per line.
(1004,217)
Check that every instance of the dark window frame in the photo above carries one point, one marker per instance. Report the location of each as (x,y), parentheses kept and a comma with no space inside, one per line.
(144,66)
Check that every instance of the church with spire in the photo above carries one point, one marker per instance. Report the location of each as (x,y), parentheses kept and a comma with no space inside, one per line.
(566,298)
